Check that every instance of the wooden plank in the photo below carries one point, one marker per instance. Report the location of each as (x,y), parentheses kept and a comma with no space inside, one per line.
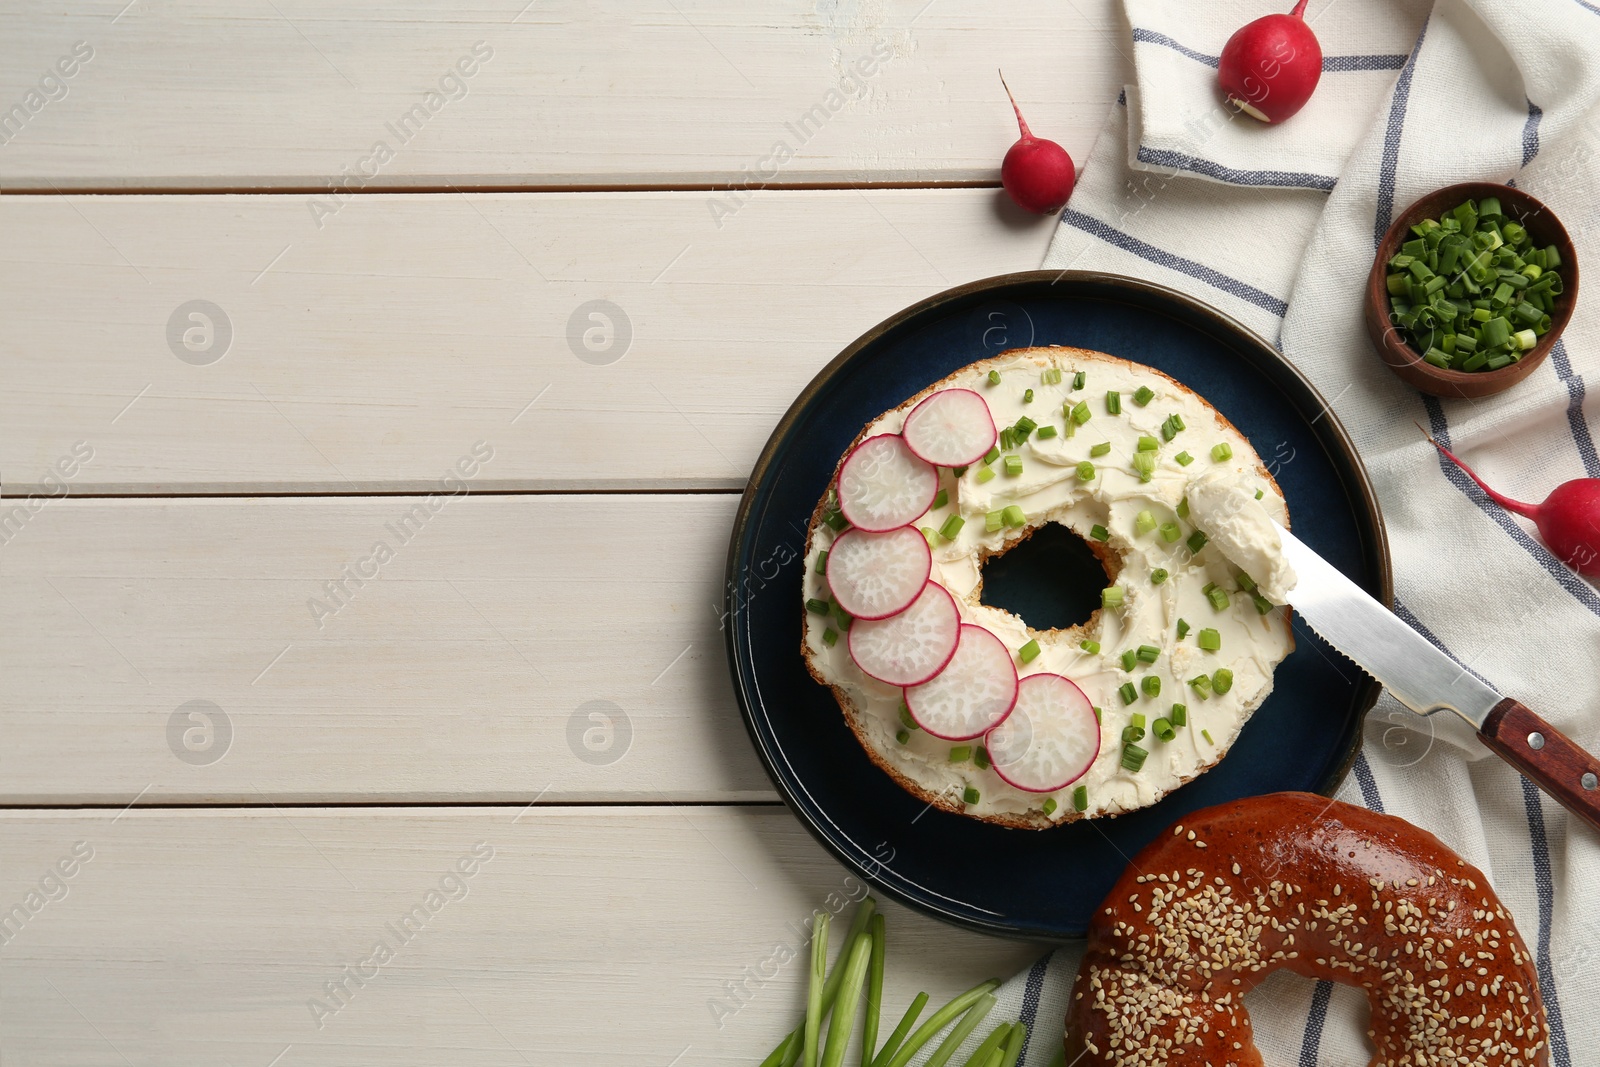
(568,647)
(297,93)
(595,936)
(373,354)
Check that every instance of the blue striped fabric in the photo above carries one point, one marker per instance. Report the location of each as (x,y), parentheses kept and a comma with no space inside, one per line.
(1144,250)
(1285,179)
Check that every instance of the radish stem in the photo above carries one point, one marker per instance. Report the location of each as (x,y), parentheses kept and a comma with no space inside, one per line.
(869,1025)
(1529,511)
(891,1046)
(938,1021)
(848,1002)
(969,1022)
(819,967)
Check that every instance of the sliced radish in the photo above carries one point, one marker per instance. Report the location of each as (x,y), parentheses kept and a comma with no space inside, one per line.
(974,692)
(1050,738)
(883,484)
(951,428)
(913,646)
(875,575)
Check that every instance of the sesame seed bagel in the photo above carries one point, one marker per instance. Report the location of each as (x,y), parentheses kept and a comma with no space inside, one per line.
(1324,889)
(1163,676)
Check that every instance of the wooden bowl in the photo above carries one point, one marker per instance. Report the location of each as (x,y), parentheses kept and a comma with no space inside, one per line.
(1398,352)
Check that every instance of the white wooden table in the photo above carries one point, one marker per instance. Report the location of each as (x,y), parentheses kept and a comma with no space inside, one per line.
(242,346)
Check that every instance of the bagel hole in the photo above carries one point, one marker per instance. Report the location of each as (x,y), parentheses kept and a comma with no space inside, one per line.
(1051,579)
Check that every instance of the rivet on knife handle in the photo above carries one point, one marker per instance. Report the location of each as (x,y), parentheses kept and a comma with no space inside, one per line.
(1547,756)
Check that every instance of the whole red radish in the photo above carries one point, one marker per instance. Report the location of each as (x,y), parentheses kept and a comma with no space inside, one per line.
(1568,520)
(1270,68)
(1037,173)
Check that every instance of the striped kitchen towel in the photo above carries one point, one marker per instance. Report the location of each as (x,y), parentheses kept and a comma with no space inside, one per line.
(1485,89)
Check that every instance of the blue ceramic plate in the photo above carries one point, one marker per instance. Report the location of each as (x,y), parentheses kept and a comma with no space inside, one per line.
(1039,884)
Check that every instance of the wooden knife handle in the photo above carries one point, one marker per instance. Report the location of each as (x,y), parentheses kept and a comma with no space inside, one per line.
(1547,756)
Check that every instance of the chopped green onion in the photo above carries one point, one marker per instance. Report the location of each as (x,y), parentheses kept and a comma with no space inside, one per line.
(905,717)
(1183,629)
(994,520)
(1183,508)
(1008,439)
(1051,376)
(902,736)
(1151,684)
(1113,403)
(1144,395)
(1091,647)
(1171,427)
(1221,451)
(969,795)
(1170,532)
(1149,653)
(1100,449)
(830,636)
(1207,735)
(1023,427)
(941,498)
(1158,576)
(1145,464)
(1128,693)
(1111,596)
(837,521)
(1197,541)
(1247,583)
(1132,733)
(1027,396)
(1085,471)
(1130,657)
(822,562)
(1049,806)
(928,535)
(1013,466)
(1080,798)
(841,618)
(994,377)
(1099,533)
(1080,413)
(992,455)
(1218,598)
(1148,443)
(1221,680)
(1144,522)
(1014,515)
(1162,728)
(1179,714)
(1263,605)
(1260,494)
(952,527)
(1202,686)
(1046,432)
(960,753)
(980,758)
(1209,639)
(1133,758)
(818,606)
(985,475)
(1077,380)
(1029,652)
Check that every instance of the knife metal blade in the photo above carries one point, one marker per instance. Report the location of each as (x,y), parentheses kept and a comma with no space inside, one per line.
(1416,673)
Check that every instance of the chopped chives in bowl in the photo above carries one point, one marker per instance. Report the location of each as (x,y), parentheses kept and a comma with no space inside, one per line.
(1470,291)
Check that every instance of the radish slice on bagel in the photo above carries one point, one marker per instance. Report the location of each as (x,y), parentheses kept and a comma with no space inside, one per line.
(913,646)
(974,692)
(883,484)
